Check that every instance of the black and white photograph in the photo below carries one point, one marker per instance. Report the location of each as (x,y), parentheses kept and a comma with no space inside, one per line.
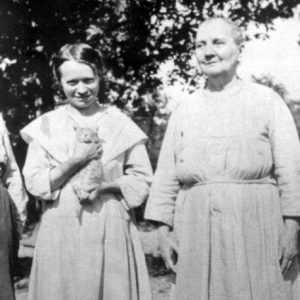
(149,150)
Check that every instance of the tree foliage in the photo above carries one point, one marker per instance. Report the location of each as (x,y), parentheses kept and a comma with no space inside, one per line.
(135,37)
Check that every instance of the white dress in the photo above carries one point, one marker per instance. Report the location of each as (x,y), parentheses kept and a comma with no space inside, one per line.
(228,172)
(99,258)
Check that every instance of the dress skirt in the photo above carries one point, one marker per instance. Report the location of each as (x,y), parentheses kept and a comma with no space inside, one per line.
(228,235)
(228,175)
(96,258)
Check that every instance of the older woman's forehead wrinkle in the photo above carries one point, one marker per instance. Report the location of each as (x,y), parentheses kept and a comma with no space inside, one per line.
(215,29)
(217,25)
(211,31)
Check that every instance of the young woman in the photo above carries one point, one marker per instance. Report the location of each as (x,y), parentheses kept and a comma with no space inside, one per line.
(97,255)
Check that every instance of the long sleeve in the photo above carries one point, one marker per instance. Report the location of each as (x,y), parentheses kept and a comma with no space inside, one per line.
(286,157)
(161,203)
(13,180)
(137,176)
(36,173)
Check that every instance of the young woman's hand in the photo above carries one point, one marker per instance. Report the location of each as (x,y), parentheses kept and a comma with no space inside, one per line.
(85,152)
(94,190)
(167,247)
(81,155)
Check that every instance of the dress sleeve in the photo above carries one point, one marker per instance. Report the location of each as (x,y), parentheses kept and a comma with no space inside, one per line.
(161,203)
(36,173)
(286,158)
(137,176)
(13,180)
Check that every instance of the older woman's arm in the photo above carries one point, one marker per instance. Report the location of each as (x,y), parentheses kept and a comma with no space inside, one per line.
(286,155)
(161,203)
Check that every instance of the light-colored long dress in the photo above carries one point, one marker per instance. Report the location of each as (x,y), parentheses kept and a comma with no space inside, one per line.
(99,258)
(229,170)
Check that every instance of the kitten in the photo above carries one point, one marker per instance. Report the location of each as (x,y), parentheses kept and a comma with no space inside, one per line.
(91,173)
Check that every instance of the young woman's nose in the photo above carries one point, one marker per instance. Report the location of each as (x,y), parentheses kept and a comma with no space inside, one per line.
(81,88)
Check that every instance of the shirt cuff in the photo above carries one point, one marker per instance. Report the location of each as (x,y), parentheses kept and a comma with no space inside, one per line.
(134,192)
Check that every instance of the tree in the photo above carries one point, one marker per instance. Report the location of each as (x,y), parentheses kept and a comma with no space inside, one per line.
(135,36)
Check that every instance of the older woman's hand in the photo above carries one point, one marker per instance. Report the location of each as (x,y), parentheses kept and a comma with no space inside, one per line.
(168,248)
(288,244)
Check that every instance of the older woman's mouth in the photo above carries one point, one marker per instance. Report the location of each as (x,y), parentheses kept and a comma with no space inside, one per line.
(209,63)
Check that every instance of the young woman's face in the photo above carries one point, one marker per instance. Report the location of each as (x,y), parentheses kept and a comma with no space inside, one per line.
(216,50)
(79,83)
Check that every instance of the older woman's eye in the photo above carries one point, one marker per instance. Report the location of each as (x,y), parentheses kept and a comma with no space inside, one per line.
(218,42)
(199,46)
(89,80)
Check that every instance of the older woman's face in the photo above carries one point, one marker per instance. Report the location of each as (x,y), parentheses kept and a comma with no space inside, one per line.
(216,51)
(80,84)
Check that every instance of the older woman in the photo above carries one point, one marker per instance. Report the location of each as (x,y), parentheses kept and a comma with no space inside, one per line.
(13,199)
(228,183)
(97,254)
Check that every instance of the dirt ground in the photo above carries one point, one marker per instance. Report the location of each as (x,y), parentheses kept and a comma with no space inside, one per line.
(160,286)
(160,278)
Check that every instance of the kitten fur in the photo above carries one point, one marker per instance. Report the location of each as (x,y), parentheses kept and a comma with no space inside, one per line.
(92,172)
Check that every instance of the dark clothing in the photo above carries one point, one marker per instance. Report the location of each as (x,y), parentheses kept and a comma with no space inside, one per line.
(9,244)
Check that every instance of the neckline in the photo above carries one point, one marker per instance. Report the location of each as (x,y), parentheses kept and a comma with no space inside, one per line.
(86,121)
(219,95)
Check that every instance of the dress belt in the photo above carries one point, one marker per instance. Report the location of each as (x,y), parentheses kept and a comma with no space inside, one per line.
(265,180)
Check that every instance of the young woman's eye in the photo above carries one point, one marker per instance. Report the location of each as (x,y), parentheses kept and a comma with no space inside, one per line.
(72,82)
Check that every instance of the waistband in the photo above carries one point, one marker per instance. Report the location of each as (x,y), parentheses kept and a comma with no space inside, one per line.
(266,180)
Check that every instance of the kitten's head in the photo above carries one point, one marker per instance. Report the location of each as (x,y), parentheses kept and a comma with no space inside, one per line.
(86,135)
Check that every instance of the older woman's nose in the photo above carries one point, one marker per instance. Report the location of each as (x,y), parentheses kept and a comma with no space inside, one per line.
(209,51)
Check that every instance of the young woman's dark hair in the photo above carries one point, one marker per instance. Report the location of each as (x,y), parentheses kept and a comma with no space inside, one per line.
(81,53)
